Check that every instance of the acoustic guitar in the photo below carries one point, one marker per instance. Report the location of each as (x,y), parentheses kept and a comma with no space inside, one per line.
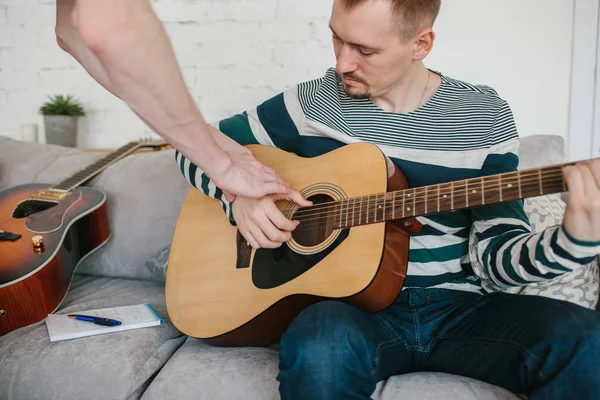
(351,244)
(45,232)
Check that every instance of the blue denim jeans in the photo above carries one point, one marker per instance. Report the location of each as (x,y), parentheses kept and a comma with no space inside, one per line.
(543,348)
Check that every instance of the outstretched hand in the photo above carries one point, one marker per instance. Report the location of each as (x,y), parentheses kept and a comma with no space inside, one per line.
(245,176)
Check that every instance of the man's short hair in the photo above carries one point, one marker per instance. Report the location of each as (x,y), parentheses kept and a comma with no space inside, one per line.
(414,15)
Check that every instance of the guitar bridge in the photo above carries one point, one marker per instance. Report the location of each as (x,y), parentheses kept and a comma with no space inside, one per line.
(51,195)
(11,237)
(244,251)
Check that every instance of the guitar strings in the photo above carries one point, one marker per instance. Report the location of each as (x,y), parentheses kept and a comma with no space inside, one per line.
(417,201)
(449,187)
(317,223)
(421,194)
(318,217)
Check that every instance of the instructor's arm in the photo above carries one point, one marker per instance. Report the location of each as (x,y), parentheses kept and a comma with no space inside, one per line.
(124,46)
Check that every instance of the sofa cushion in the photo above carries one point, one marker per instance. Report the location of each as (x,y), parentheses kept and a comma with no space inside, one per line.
(544,211)
(199,371)
(119,365)
(145,193)
(25,162)
(435,386)
(541,151)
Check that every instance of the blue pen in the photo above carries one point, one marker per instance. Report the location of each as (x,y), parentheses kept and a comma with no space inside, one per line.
(95,320)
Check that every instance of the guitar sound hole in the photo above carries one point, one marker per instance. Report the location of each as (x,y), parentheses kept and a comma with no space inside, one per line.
(30,207)
(316,223)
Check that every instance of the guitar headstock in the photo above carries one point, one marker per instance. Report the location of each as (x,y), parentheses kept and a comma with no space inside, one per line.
(156,144)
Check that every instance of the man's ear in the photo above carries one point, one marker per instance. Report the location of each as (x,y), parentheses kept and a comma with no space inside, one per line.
(423,44)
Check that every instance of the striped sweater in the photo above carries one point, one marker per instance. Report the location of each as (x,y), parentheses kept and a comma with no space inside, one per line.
(464,131)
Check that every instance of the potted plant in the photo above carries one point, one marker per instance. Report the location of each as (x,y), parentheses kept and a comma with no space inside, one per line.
(60,120)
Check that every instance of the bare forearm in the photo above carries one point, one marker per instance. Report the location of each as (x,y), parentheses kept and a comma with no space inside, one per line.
(136,56)
(69,40)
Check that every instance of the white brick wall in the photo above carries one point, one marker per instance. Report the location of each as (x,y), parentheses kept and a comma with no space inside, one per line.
(237,53)
(234,54)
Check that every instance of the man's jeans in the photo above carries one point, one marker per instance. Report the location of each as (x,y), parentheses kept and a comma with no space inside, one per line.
(544,348)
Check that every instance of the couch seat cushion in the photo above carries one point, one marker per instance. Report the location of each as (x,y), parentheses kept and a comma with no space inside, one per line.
(435,386)
(112,366)
(199,371)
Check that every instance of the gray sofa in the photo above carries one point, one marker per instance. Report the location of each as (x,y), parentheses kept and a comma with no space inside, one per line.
(145,192)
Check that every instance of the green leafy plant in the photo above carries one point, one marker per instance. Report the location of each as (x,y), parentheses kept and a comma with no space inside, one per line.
(61,105)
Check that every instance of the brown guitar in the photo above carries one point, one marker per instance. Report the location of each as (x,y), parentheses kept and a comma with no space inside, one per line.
(351,245)
(45,232)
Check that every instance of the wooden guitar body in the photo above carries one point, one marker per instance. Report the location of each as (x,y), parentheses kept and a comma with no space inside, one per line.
(34,279)
(221,290)
(351,244)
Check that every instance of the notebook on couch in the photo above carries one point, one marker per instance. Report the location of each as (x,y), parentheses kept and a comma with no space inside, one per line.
(62,327)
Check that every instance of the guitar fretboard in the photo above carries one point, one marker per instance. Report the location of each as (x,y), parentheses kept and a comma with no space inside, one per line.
(95,168)
(440,198)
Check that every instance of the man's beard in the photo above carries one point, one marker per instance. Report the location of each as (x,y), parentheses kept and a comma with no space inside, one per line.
(354,92)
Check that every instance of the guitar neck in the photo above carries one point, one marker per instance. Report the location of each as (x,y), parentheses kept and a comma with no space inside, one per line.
(94,169)
(446,197)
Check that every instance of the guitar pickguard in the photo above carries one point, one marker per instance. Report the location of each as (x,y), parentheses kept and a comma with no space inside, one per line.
(274,267)
(52,219)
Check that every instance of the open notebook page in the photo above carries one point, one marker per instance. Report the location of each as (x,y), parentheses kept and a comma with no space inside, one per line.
(61,327)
